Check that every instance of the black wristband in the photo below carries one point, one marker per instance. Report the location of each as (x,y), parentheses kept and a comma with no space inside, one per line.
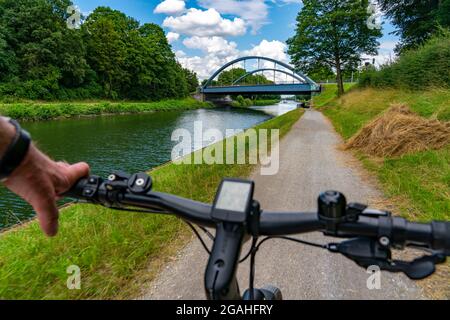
(16,152)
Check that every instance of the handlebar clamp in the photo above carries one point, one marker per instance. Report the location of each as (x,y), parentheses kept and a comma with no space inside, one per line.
(332,210)
(138,183)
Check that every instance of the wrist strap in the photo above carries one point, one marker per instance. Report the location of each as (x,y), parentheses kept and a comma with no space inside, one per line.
(16,152)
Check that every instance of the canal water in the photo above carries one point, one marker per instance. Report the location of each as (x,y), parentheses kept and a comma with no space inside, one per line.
(130,143)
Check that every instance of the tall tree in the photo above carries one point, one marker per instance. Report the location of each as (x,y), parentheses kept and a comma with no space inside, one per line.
(416,20)
(321,73)
(107,30)
(334,34)
(111,56)
(192,80)
(41,52)
(170,80)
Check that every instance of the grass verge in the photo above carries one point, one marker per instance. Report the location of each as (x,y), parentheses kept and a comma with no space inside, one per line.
(329,93)
(34,111)
(240,102)
(112,249)
(261,103)
(418,183)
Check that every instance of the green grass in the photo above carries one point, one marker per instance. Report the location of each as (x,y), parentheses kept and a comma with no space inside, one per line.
(353,110)
(329,92)
(33,111)
(424,178)
(419,184)
(261,103)
(115,251)
(240,102)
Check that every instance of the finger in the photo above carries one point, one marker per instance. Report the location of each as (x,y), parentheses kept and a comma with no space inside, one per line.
(63,164)
(77,171)
(47,214)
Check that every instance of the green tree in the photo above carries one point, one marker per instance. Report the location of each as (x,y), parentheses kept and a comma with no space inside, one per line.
(8,61)
(111,56)
(38,53)
(192,80)
(107,30)
(228,77)
(321,73)
(332,33)
(416,20)
(171,80)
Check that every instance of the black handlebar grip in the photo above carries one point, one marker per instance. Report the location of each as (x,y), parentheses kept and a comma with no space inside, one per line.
(441,236)
(76,191)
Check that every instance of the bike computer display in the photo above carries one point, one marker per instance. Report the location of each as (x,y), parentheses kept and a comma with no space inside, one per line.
(233,200)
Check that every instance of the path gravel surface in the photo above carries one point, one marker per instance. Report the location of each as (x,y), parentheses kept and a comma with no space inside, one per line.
(310,162)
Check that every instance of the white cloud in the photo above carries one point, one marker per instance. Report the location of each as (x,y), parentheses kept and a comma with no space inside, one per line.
(172,37)
(171,7)
(212,45)
(219,51)
(254,12)
(207,29)
(203,66)
(271,49)
(388,45)
(201,23)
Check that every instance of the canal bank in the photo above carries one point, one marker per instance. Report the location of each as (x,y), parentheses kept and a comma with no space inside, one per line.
(41,111)
(111,249)
(134,142)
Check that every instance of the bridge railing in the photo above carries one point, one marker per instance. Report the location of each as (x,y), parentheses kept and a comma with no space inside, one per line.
(253,84)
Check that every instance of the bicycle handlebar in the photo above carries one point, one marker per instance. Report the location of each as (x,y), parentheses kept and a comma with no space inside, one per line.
(372,233)
(398,231)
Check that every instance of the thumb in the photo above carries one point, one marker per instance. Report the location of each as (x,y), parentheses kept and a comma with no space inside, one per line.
(75,172)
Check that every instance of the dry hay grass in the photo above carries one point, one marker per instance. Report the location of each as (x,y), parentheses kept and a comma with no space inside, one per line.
(400,131)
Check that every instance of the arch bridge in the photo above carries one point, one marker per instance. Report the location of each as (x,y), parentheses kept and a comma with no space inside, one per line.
(296,82)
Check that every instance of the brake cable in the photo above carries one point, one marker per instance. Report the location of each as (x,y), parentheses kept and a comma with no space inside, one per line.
(313,244)
(254,249)
(166,212)
(317,245)
(209,234)
(252,268)
(199,237)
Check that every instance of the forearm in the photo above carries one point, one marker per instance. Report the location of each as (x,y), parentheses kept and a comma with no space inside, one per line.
(7,132)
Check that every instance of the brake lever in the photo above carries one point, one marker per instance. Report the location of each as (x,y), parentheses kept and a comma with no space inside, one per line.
(367,252)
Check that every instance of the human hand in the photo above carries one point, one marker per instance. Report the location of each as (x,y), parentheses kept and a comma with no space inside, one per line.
(41,181)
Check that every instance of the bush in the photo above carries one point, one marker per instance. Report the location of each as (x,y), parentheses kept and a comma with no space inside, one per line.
(46,111)
(419,69)
(241,100)
(248,102)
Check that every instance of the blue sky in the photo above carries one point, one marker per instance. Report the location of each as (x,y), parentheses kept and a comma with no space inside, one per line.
(233,27)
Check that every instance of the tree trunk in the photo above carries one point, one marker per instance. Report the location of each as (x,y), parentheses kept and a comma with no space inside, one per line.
(340,83)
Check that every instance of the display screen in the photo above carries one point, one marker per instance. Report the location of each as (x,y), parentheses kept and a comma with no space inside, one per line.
(234,196)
